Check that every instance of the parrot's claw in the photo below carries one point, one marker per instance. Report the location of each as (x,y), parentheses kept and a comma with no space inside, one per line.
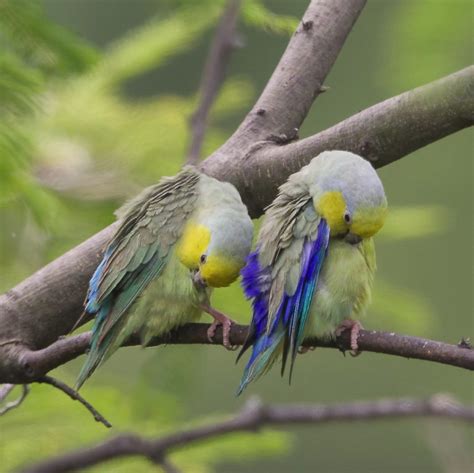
(220,319)
(355,327)
(211,331)
(302,350)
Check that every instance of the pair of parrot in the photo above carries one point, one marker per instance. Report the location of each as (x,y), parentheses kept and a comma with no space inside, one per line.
(310,274)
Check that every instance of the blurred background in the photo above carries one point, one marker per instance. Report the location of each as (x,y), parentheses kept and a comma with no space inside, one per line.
(95,97)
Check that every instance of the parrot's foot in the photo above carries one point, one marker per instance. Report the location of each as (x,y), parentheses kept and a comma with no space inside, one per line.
(355,327)
(302,350)
(219,319)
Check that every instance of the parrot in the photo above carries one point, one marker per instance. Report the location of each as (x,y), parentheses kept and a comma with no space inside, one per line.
(312,270)
(175,242)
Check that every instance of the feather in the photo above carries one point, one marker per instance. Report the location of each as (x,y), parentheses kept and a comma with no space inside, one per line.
(137,254)
(312,288)
(286,328)
(256,282)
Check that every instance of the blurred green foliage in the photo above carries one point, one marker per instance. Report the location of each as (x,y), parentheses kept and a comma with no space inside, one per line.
(78,136)
(34,52)
(56,434)
(425,22)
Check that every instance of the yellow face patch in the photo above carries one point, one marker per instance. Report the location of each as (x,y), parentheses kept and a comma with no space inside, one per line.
(331,206)
(367,222)
(220,271)
(193,244)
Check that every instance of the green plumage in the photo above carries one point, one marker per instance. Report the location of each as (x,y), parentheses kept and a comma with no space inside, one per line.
(315,260)
(345,282)
(344,287)
(142,285)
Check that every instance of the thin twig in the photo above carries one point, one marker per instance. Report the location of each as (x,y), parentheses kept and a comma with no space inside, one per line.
(213,76)
(6,389)
(75,396)
(252,418)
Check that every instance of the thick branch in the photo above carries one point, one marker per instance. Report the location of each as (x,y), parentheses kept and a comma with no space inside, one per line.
(34,364)
(213,76)
(382,133)
(290,92)
(252,418)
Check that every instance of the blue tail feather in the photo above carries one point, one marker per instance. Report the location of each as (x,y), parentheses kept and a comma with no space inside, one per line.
(291,316)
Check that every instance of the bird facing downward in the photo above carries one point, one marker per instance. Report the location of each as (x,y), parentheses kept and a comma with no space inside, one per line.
(176,241)
(313,267)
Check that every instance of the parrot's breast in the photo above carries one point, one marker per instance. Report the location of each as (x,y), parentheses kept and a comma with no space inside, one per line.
(168,302)
(344,286)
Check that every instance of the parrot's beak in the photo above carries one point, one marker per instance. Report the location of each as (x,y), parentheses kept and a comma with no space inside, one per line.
(198,281)
(352,238)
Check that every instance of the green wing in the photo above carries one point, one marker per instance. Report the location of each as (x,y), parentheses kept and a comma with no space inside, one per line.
(151,224)
(290,219)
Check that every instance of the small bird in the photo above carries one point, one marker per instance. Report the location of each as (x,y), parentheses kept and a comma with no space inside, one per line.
(312,271)
(176,240)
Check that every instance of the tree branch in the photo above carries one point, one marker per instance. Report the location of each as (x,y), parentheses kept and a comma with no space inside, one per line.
(252,418)
(213,76)
(382,133)
(289,94)
(5,390)
(75,396)
(34,364)
(46,305)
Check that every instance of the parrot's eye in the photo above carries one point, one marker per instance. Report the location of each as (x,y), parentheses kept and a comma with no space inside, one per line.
(203,259)
(347,217)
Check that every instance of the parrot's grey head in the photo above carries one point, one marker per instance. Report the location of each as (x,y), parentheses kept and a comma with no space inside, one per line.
(229,246)
(347,193)
(216,243)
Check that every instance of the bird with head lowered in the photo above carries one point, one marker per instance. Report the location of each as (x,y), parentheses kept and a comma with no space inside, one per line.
(312,271)
(176,241)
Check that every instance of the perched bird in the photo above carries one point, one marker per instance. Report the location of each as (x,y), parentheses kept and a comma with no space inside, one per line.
(176,240)
(312,271)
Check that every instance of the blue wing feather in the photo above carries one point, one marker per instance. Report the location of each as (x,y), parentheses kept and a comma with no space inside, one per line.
(106,326)
(139,250)
(293,311)
(92,304)
(256,282)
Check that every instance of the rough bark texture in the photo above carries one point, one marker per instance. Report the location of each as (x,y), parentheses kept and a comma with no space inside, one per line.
(288,95)
(382,133)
